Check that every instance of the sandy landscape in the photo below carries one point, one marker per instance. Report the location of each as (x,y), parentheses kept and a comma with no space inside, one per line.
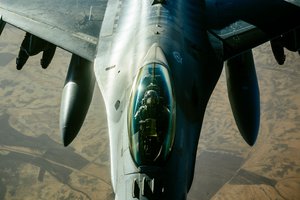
(35,165)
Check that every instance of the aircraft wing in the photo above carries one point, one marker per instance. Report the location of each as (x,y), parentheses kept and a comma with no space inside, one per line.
(73,25)
(243,25)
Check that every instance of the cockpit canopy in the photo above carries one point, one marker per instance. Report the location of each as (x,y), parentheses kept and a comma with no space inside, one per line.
(151,115)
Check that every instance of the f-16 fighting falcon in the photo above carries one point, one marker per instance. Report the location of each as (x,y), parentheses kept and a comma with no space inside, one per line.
(156,63)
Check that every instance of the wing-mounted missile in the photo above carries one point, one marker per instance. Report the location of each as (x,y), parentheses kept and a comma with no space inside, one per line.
(33,45)
(289,40)
(2,25)
(243,92)
(76,97)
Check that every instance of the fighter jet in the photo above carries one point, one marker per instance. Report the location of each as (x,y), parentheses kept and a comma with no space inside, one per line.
(156,63)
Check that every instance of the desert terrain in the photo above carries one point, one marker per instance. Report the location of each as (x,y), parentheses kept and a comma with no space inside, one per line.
(35,165)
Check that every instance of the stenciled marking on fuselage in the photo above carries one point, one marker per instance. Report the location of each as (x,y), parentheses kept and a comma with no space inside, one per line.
(109,68)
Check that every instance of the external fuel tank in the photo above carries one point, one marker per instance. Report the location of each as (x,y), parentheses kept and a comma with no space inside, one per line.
(243,93)
(76,97)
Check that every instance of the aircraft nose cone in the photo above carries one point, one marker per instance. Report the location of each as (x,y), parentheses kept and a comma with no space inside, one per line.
(155,54)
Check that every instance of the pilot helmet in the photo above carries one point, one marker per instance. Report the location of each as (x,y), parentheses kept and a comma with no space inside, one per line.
(151,98)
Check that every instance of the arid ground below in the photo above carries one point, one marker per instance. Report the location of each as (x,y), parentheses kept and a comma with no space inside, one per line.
(35,165)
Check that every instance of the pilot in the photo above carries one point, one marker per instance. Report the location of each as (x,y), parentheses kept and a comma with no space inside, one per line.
(149,102)
(151,118)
